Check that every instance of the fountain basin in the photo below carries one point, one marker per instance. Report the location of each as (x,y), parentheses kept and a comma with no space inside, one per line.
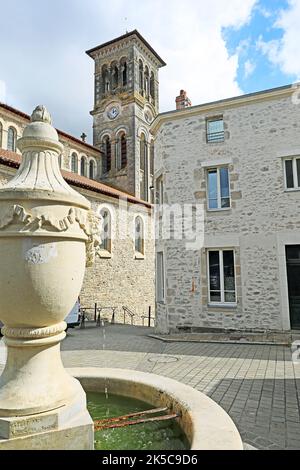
(206,425)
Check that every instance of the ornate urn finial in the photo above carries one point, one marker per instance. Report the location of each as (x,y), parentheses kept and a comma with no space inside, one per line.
(48,234)
(40,113)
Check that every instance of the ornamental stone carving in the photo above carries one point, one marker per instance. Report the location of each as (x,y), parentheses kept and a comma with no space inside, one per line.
(48,234)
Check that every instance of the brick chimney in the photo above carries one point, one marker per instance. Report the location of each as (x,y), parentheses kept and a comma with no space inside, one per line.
(182,101)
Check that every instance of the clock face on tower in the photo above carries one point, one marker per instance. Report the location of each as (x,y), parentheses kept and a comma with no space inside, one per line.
(113,112)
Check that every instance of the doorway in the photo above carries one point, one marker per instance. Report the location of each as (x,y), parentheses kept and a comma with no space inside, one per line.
(293,277)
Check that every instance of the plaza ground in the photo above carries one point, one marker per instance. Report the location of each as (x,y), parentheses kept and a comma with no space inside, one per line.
(257,384)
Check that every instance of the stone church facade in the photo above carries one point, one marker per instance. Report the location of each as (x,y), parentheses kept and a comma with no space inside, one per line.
(236,163)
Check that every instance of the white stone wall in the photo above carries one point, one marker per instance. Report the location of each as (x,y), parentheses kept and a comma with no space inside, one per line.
(263,217)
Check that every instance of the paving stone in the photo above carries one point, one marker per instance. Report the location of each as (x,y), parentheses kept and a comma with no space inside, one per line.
(255,383)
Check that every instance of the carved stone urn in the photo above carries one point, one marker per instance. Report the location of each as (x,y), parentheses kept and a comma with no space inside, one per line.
(47,235)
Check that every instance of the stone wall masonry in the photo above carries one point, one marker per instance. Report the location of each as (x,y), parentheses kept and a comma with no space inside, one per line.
(122,279)
(257,134)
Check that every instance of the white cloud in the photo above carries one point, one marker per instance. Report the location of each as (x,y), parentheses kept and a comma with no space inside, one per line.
(2,91)
(284,52)
(188,36)
(249,68)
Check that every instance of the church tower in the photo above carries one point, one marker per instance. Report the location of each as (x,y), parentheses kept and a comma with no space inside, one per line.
(125,104)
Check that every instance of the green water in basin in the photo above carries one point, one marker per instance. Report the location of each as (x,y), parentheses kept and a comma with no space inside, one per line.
(163,435)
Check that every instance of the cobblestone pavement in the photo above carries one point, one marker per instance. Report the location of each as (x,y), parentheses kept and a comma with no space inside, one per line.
(258,385)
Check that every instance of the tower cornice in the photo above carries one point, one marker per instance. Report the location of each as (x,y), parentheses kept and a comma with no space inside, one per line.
(133,36)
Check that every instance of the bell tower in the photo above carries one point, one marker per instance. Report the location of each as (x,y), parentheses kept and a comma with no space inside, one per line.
(126,102)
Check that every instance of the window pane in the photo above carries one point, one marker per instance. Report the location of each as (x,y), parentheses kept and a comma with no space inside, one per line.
(215,296)
(91,169)
(105,242)
(214,273)
(230,297)
(289,173)
(215,130)
(224,184)
(11,140)
(139,235)
(212,190)
(228,262)
(215,126)
(298,171)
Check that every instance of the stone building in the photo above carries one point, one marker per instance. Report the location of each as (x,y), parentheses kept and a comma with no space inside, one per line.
(232,170)
(125,104)
(123,274)
(226,179)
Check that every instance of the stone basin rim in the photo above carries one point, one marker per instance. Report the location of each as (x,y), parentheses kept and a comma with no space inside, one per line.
(206,425)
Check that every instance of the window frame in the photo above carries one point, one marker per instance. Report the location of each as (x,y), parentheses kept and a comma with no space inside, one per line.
(216,140)
(160,276)
(94,166)
(160,190)
(14,134)
(222,302)
(74,158)
(106,244)
(139,254)
(84,159)
(294,159)
(219,197)
(144,168)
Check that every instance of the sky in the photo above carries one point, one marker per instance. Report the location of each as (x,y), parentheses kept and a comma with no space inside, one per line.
(213,49)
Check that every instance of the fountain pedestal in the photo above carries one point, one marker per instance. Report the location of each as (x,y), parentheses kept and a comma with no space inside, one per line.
(47,234)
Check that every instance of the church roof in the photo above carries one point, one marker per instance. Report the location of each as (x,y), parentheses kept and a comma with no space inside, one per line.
(60,133)
(13,160)
(124,36)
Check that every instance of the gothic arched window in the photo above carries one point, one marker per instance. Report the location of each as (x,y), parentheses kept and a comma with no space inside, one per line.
(141,77)
(139,235)
(83,166)
(107,155)
(123,151)
(11,139)
(151,170)
(114,76)
(74,163)
(106,230)
(105,79)
(143,168)
(92,167)
(152,86)
(147,82)
(124,72)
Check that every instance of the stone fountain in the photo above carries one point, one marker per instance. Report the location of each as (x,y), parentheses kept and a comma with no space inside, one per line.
(47,235)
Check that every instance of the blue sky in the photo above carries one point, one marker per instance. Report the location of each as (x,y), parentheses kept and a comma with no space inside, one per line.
(229,48)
